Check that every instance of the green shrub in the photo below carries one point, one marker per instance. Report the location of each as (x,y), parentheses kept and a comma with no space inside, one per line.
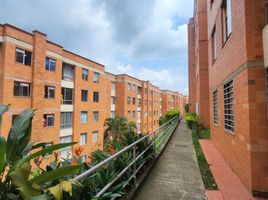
(186,108)
(168,116)
(193,122)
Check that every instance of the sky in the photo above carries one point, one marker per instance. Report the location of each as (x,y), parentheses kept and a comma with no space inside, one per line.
(143,38)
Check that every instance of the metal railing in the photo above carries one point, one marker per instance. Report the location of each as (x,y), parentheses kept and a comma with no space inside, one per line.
(158,140)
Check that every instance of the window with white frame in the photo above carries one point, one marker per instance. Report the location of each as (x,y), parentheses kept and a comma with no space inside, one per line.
(214,45)
(50,64)
(66,96)
(49,92)
(215,107)
(95,136)
(96,78)
(83,139)
(133,87)
(112,114)
(24,57)
(128,86)
(48,120)
(139,114)
(67,150)
(133,114)
(226,19)
(66,120)
(112,100)
(67,72)
(95,116)
(128,100)
(229,107)
(21,89)
(83,117)
(84,74)
(112,86)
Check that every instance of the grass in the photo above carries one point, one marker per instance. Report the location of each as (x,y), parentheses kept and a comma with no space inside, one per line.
(207,176)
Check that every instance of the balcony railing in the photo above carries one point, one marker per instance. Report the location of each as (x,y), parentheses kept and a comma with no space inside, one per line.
(158,138)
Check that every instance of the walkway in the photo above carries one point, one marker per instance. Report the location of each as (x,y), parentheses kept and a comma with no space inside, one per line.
(230,187)
(176,174)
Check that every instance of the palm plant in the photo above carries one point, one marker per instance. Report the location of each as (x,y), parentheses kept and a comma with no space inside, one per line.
(16,175)
(116,127)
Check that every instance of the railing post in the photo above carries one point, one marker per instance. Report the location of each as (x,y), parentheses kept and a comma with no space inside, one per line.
(135,164)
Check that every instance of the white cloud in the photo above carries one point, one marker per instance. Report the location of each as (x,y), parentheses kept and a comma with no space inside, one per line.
(133,36)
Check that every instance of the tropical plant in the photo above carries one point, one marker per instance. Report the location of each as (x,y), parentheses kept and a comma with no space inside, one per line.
(116,127)
(17,180)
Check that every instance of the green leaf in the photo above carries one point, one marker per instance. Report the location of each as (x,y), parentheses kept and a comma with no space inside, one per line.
(3,109)
(46,150)
(20,178)
(19,136)
(55,174)
(2,153)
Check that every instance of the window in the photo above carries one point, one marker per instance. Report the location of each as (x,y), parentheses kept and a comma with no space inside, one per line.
(84,74)
(67,72)
(112,100)
(128,114)
(145,90)
(128,100)
(214,44)
(66,120)
(83,117)
(96,78)
(133,87)
(139,114)
(112,86)
(67,150)
(95,96)
(95,116)
(228,107)
(145,114)
(128,86)
(23,57)
(49,92)
(226,19)
(21,89)
(95,136)
(84,95)
(83,139)
(133,114)
(139,103)
(139,90)
(133,101)
(66,96)
(112,114)
(215,107)
(50,64)
(48,120)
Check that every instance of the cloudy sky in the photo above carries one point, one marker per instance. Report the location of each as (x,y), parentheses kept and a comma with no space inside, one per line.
(144,38)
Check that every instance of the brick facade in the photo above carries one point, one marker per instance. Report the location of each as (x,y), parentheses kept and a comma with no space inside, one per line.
(72,90)
(239,61)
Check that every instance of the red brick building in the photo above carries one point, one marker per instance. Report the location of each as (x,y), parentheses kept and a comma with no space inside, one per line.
(237,85)
(198,63)
(72,95)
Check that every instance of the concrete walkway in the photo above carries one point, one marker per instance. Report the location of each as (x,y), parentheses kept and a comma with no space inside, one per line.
(176,174)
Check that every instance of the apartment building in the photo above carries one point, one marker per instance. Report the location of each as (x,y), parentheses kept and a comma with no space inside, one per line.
(137,100)
(237,55)
(172,100)
(72,95)
(66,89)
(198,63)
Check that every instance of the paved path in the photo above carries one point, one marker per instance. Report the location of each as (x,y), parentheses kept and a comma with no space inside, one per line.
(176,174)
